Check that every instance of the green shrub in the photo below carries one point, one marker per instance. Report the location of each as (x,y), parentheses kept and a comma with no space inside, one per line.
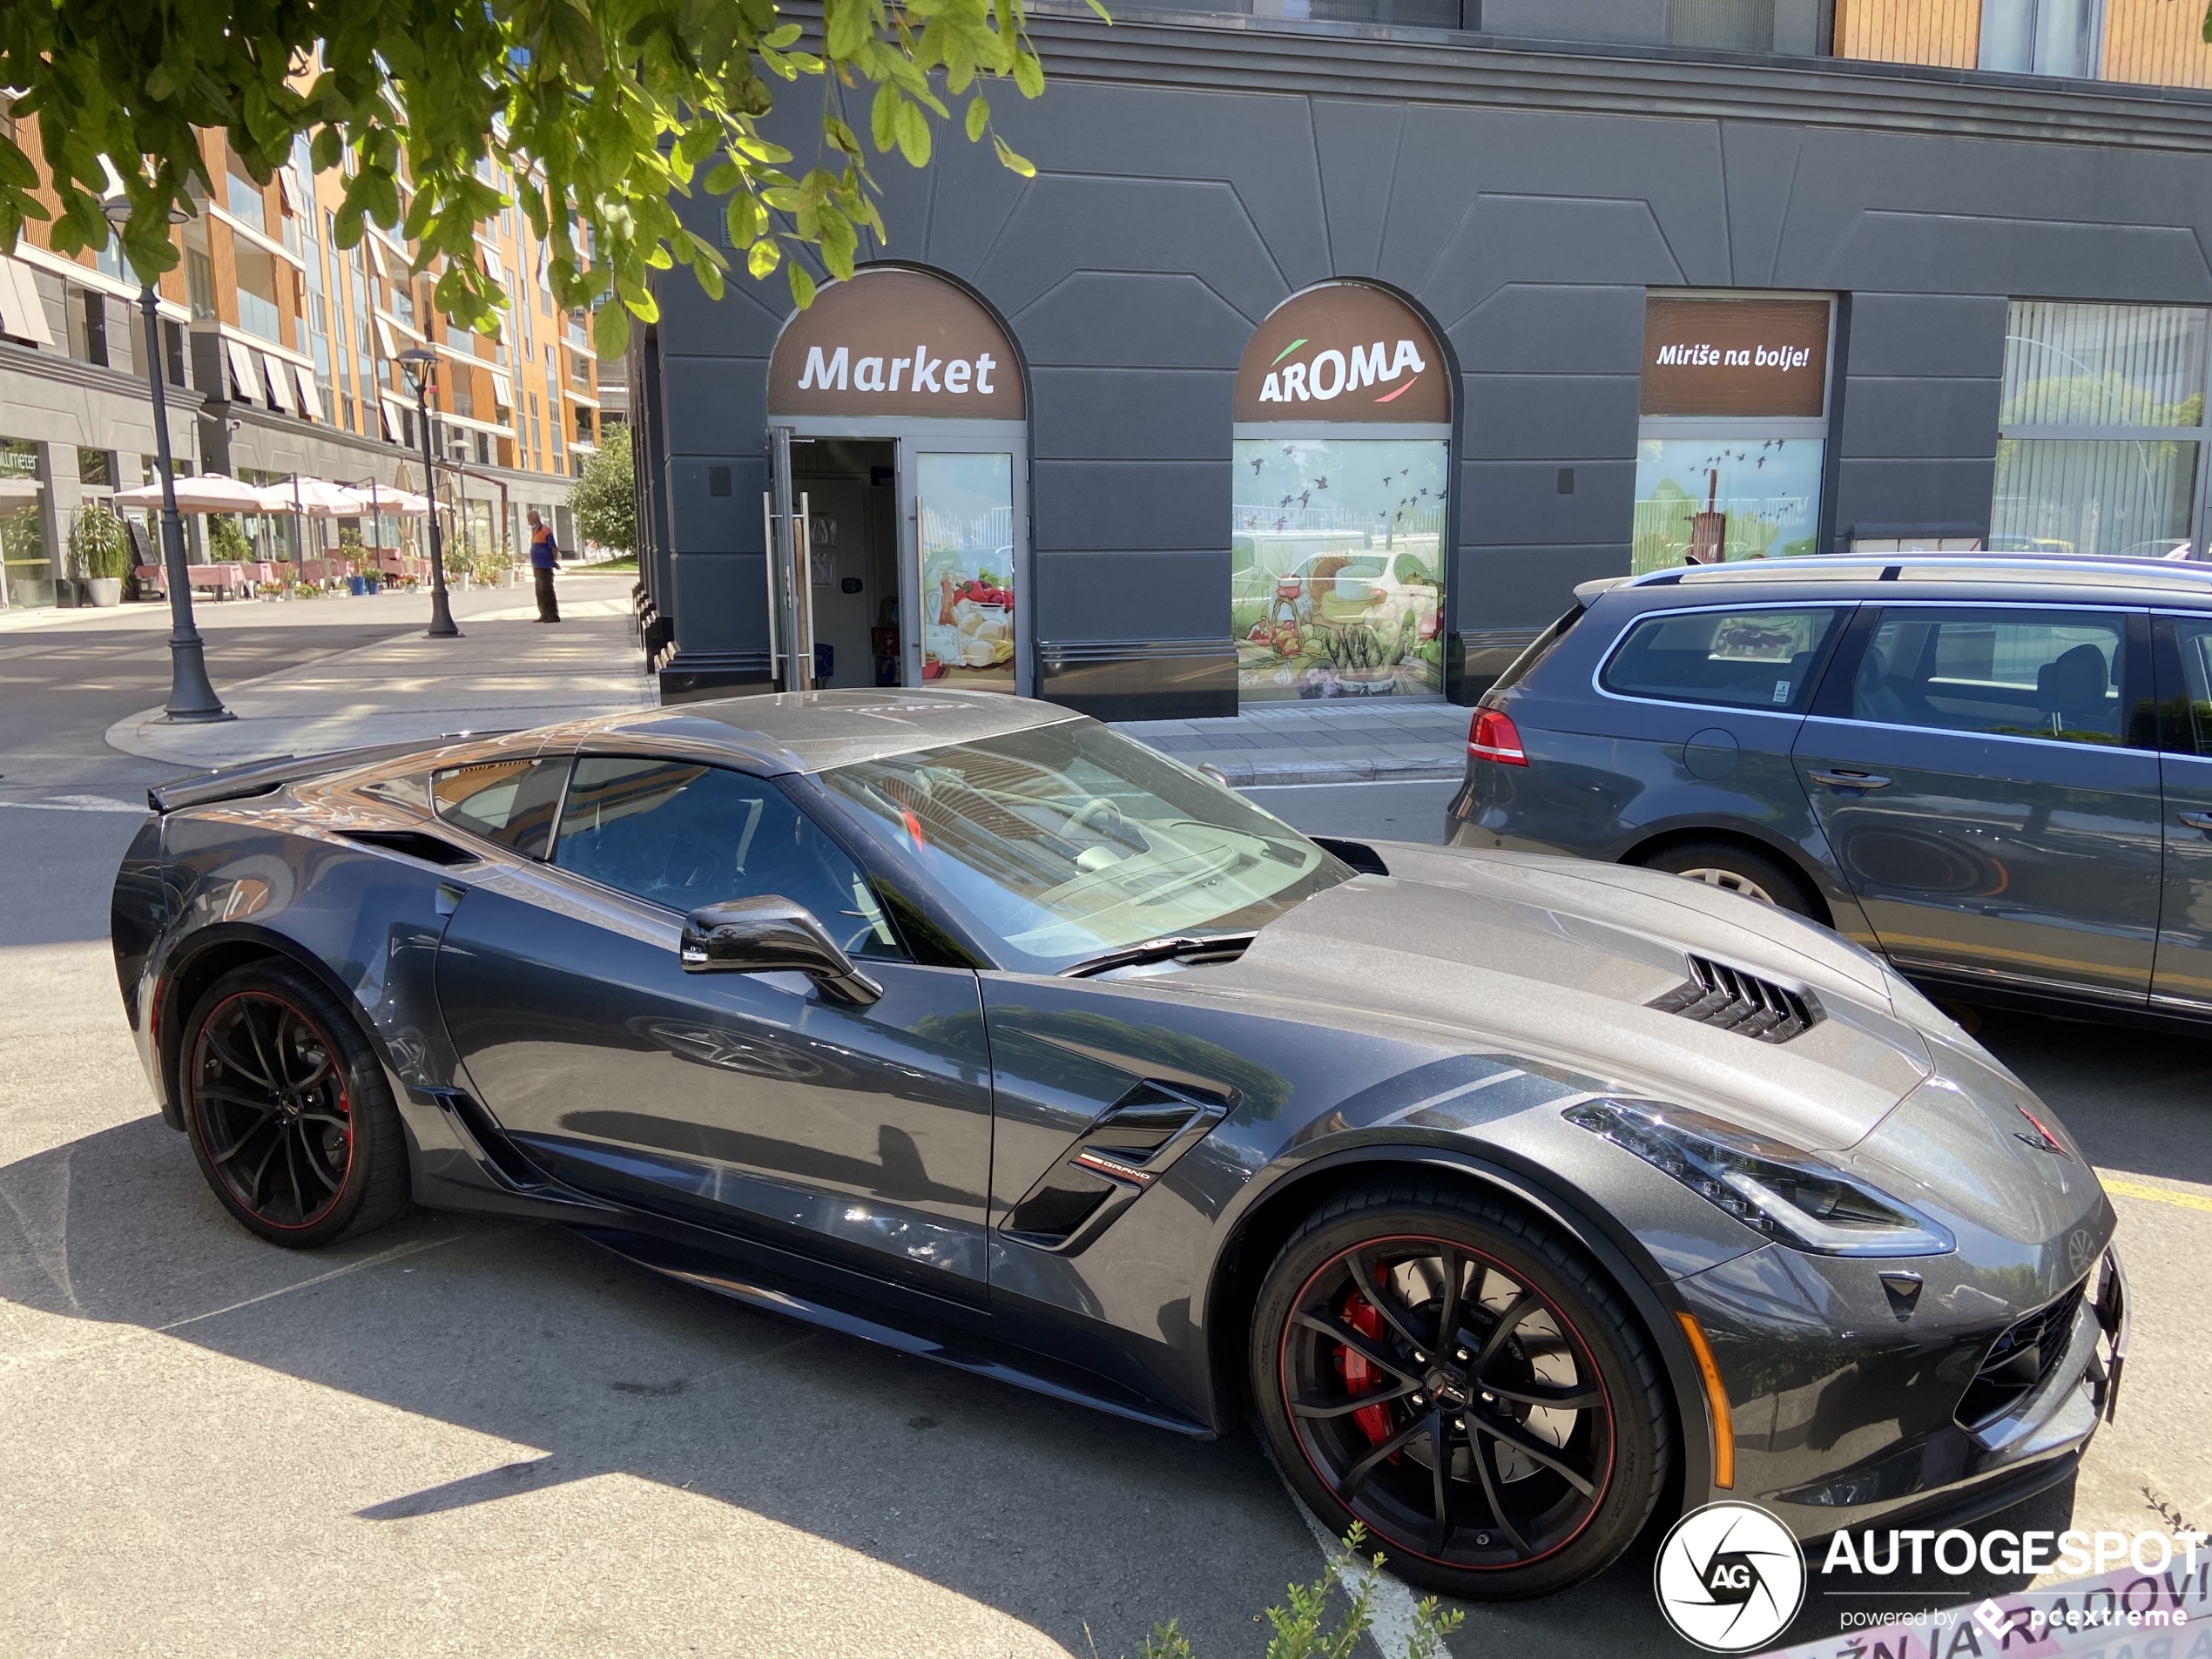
(1298,1627)
(226,542)
(99,542)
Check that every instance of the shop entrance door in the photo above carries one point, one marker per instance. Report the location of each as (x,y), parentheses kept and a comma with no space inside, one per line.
(963,514)
(916,553)
(844,495)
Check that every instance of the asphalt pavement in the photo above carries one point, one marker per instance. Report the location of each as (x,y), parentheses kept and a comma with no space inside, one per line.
(460,1435)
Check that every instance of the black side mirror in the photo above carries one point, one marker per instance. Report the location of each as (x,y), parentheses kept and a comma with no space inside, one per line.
(769,935)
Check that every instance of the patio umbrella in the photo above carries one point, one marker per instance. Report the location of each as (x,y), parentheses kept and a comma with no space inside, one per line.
(206,492)
(314,498)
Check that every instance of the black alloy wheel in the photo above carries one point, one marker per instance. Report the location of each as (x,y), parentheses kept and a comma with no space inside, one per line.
(1465,1385)
(290,1117)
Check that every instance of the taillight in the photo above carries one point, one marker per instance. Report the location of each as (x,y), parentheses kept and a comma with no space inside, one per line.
(1493,738)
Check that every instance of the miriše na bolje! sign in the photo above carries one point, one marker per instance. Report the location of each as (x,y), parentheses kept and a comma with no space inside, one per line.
(1741,357)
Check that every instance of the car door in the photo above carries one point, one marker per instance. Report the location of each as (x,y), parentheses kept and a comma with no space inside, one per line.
(747,1102)
(2182,977)
(1987,786)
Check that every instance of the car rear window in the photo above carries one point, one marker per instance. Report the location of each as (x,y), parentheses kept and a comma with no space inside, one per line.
(1747,659)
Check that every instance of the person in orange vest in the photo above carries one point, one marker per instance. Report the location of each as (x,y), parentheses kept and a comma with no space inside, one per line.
(545,558)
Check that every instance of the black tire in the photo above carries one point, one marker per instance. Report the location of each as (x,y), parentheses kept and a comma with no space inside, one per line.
(290,1117)
(1515,1524)
(1738,869)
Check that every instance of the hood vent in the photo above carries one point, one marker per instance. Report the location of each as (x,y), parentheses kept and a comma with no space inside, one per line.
(1717,995)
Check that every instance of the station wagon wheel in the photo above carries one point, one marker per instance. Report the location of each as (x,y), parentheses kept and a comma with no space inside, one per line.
(1493,1423)
(1739,869)
(291,1121)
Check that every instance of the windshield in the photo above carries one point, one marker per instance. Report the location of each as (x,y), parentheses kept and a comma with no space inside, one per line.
(1062,842)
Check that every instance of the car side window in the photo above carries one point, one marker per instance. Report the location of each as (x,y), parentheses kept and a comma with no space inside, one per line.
(2187,708)
(682,834)
(511,802)
(2025,672)
(1749,659)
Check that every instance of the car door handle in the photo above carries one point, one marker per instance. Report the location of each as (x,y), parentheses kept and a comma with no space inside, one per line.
(1850,779)
(2198,820)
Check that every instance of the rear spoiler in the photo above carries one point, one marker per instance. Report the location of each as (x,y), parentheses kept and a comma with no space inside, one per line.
(266,777)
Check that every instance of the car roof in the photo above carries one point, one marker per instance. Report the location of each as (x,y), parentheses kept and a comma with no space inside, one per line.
(1982,575)
(806,732)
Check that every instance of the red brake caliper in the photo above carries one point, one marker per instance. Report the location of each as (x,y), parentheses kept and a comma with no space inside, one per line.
(1359,1375)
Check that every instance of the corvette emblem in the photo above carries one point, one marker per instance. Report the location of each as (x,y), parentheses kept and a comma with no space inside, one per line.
(2042,1140)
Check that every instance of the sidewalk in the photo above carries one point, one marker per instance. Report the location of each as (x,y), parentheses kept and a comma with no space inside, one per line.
(507,672)
(510,672)
(1324,741)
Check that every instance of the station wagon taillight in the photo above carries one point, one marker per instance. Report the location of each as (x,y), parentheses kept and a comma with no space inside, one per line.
(1493,738)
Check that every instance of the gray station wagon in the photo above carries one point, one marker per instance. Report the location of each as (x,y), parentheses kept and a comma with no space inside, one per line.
(1996,771)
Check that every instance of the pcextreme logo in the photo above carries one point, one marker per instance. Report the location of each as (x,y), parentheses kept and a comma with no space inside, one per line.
(1331,373)
(1729,1577)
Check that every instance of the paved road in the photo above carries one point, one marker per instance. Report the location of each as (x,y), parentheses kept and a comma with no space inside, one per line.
(466,1436)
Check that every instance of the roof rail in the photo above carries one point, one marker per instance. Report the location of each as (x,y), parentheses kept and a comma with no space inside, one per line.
(2075,570)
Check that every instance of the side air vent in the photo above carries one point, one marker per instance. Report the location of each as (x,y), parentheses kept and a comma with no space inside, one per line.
(2019,1361)
(1109,1164)
(1717,995)
(430,849)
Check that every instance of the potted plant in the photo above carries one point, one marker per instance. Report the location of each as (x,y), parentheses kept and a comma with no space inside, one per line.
(99,546)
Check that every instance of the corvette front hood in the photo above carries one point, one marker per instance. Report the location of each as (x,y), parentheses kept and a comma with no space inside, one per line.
(1559,959)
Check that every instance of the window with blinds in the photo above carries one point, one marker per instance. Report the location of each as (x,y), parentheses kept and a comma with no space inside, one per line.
(2101,432)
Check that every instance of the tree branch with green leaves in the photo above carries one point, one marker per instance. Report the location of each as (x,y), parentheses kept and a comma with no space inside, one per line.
(600,113)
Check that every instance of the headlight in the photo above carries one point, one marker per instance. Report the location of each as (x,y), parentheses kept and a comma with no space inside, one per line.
(1771,1188)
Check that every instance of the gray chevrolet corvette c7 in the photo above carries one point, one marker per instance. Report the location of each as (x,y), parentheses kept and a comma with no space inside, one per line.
(1519,1204)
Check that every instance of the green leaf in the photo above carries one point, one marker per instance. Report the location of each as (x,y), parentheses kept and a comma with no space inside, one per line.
(1010,161)
(914,134)
(1029,74)
(979,117)
(802,285)
(1106,15)
(610,331)
(883,115)
(764,256)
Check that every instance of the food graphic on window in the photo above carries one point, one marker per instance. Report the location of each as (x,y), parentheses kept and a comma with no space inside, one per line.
(965,516)
(1336,555)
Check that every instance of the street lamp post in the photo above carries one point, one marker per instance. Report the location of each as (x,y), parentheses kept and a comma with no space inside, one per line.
(420,364)
(191,696)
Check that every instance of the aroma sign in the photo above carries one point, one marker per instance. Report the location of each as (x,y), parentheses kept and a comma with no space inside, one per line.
(1343,352)
(894,342)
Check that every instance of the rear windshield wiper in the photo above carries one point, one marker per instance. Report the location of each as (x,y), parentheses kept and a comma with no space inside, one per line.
(1203,948)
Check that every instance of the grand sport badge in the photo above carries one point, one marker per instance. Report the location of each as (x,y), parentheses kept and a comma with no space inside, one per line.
(1729,1577)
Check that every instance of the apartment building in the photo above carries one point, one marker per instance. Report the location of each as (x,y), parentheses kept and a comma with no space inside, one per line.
(1336,340)
(279,353)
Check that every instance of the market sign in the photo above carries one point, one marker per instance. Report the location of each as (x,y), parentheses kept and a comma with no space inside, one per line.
(896,342)
(1343,351)
(1749,357)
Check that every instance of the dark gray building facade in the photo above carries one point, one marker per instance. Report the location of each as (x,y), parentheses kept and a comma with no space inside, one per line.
(2013,270)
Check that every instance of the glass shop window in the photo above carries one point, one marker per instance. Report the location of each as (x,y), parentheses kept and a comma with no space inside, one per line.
(1734,432)
(2101,430)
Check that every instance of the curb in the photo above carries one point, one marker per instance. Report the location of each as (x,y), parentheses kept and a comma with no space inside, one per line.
(1251,774)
